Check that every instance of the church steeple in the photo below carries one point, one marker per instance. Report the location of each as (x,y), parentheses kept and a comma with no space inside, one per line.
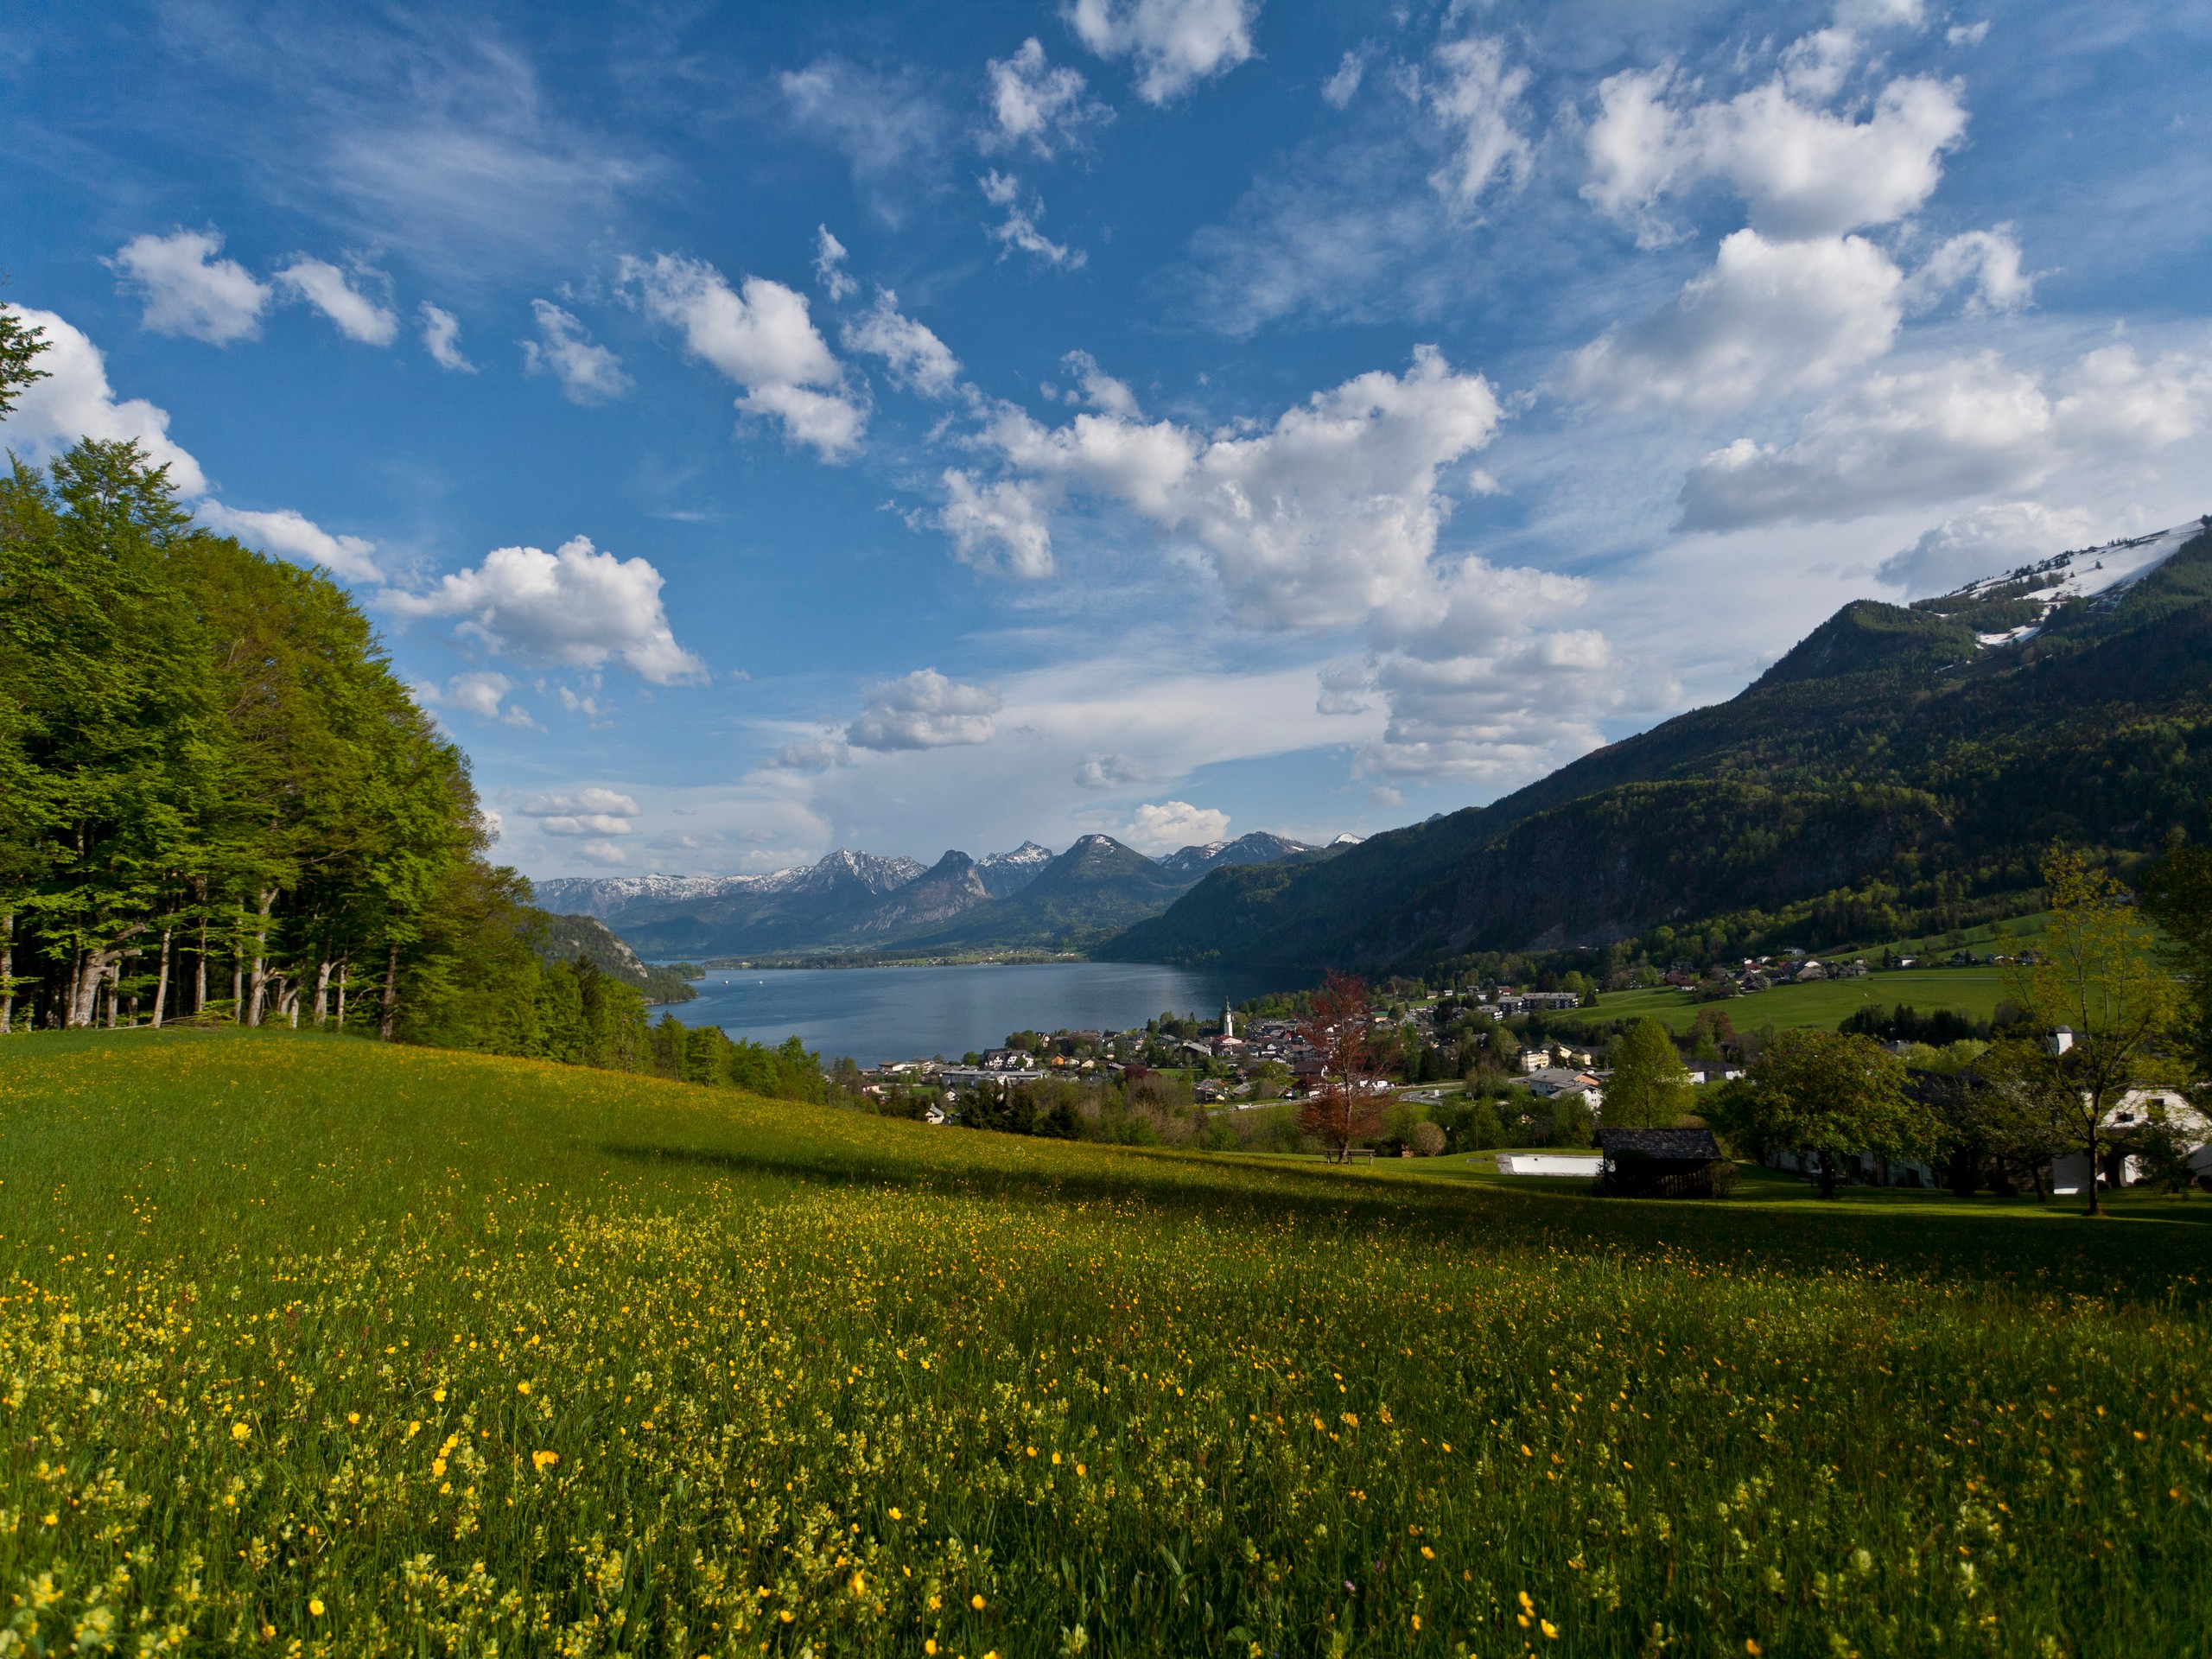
(1228,1019)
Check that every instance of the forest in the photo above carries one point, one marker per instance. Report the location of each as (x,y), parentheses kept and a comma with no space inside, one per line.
(223,806)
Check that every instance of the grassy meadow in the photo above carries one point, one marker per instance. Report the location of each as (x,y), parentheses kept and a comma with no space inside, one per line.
(311,1347)
(1974,992)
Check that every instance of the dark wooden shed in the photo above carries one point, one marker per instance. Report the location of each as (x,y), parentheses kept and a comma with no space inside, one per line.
(1664,1164)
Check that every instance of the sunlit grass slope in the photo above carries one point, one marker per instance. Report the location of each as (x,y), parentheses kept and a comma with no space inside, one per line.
(318,1346)
(1973,992)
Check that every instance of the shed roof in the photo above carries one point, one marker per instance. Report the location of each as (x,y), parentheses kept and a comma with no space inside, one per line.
(1674,1146)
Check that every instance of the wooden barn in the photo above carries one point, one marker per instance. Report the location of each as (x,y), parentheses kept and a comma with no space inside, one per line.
(1664,1164)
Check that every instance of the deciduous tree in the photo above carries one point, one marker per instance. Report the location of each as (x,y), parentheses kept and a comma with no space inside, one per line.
(1835,1094)
(1343,1108)
(2111,1007)
(1649,1087)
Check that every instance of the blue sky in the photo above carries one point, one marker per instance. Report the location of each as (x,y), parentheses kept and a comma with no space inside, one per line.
(759,429)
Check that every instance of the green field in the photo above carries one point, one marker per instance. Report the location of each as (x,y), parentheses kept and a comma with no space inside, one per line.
(1973,991)
(312,1346)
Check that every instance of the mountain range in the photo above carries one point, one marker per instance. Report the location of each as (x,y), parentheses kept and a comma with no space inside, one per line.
(1903,768)
(851,902)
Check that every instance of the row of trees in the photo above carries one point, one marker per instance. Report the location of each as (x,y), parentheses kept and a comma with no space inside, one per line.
(217,793)
(220,797)
(219,803)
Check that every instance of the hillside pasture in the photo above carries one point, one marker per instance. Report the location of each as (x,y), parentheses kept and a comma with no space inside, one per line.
(316,1346)
(1974,992)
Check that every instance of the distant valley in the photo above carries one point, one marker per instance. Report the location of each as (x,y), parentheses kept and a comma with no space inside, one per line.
(858,904)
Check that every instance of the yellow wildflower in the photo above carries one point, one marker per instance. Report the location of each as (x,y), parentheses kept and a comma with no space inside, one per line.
(977,1602)
(314,1606)
(239,1431)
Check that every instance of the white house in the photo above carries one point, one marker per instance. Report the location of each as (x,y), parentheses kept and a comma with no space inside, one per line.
(2135,1113)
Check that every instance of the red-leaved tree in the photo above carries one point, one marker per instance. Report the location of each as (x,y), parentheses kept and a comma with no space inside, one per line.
(1343,1107)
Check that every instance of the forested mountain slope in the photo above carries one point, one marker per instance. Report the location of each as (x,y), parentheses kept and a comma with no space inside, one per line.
(566,937)
(1901,766)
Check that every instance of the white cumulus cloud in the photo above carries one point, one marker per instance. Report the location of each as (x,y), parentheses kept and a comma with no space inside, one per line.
(1320,520)
(997,526)
(760,336)
(1036,106)
(188,291)
(1986,262)
(442,338)
(924,710)
(326,288)
(1769,317)
(577,607)
(75,401)
(1164,826)
(293,536)
(1966,426)
(915,358)
(1173,44)
(1802,170)
(588,373)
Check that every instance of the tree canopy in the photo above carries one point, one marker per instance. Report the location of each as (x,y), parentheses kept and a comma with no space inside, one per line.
(1649,1087)
(219,803)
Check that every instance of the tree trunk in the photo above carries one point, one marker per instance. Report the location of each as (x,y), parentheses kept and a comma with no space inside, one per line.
(199,959)
(162,983)
(321,992)
(7,972)
(1827,1175)
(260,997)
(345,969)
(388,1013)
(114,989)
(291,1005)
(238,983)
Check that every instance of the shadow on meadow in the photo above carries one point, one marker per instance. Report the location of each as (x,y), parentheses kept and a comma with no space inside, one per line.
(2023,1254)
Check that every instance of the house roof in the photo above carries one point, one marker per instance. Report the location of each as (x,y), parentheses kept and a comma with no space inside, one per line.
(1674,1146)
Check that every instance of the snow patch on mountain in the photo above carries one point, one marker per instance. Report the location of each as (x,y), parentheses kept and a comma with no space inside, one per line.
(2101,573)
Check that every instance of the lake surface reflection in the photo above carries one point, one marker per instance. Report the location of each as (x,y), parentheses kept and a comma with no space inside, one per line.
(895,1013)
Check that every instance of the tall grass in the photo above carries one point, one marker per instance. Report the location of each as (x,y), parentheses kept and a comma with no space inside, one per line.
(314,1346)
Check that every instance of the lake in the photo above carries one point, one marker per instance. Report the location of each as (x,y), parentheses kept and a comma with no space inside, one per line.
(896,1014)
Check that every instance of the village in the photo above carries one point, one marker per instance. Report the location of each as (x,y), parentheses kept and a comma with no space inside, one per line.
(1484,1073)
